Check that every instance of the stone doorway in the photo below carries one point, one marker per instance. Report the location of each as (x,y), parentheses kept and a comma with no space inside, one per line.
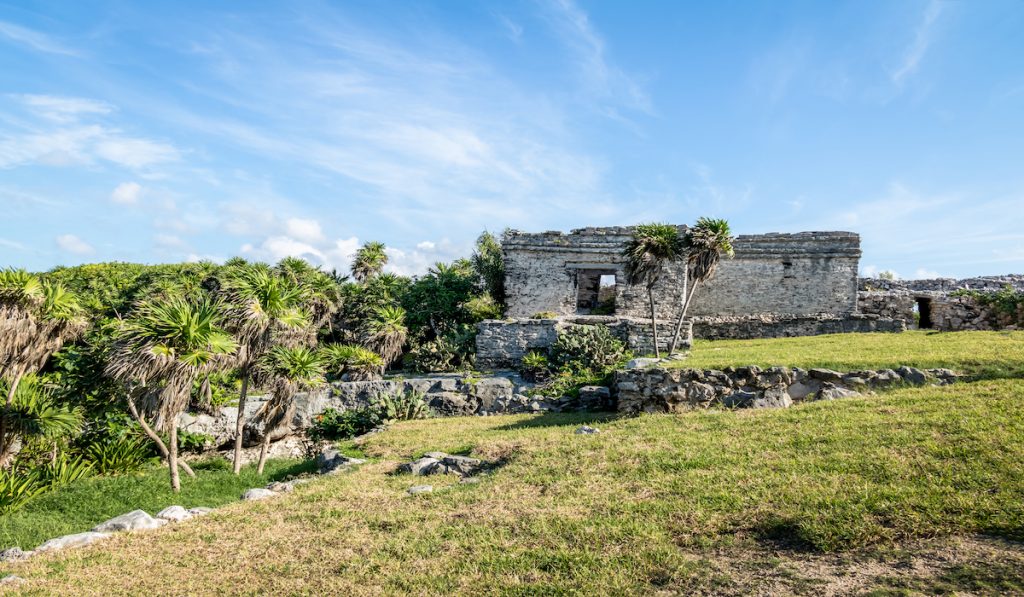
(923,307)
(595,291)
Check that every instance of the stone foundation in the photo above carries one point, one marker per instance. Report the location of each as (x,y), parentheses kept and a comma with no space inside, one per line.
(676,390)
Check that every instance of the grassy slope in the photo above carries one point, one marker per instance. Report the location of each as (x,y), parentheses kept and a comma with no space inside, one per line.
(986,354)
(81,506)
(652,503)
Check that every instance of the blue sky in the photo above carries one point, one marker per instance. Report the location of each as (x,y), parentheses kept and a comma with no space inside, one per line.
(166,131)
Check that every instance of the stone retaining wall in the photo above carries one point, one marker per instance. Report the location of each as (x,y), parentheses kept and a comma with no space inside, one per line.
(676,390)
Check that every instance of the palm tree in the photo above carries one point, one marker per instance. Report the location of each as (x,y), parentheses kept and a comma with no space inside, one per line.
(360,363)
(370,259)
(705,243)
(647,252)
(36,319)
(321,294)
(33,412)
(171,341)
(387,333)
(263,308)
(286,370)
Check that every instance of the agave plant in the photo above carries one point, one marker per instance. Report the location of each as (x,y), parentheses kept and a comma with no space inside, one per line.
(286,370)
(651,248)
(171,342)
(387,333)
(32,412)
(264,308)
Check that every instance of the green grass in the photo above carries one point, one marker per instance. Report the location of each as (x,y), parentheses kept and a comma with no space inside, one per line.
(706,502)
(83,505)
(984,354)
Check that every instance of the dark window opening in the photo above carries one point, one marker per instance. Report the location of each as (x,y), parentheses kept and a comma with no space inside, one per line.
(923,307)
(595,292)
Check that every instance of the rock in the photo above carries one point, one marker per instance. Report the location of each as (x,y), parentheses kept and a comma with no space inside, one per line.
(281,486)
(415,489)
(799,390)
(825,375)
(11,579)
(257,493)
(14,554)
(739,399)
(200,511)
(642,363)
(136,520)
(833,392)
(174,514)
(437,455)
(332,461)
(912,376)
(462,465)
(421,466)
(76,540)
(775,397)
(595,397)
(587,430)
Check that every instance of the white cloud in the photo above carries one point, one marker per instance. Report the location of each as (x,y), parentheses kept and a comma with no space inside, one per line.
(63,109)
(10,244)
(73,244)
(135,153)
(33,39)
(926,274)
(335,255)
(917,49)
(168,241)
(126,193)
(305,230)
(426,246)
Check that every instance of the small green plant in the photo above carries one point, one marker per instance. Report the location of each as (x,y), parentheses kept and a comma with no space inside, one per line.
(64,469)
(535,367)
(544,315)
(189,441)
(333,424)
(359,363)
(17,489)
(483,307)
(124,454)
(400,407)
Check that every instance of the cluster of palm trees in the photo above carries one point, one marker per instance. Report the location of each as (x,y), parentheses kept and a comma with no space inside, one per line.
(654,246)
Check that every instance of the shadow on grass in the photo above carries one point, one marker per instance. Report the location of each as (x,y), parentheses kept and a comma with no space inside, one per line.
(561,420)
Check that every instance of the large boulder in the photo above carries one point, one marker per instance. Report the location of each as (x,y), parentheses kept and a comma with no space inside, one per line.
(174,514)
(14,554)
(75,540)
(136,520)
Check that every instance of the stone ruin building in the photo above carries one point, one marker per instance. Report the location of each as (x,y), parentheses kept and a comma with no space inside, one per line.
(777,285)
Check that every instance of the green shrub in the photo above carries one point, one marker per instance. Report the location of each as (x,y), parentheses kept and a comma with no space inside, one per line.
(454,351)
(588,347)
(359,363)
(535,367)
(16,489)
(124,454)
(483,307)
(400,407)
(189,441)
(544,315)
(65,469)
(332,424)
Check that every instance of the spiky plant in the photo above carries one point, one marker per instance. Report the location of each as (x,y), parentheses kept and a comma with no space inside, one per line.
(286,371)
(705,243)
(263,308)
(370,259)
(36,319)
(33,412)
(171,342)
(386,333)
(359,363)
(647,252)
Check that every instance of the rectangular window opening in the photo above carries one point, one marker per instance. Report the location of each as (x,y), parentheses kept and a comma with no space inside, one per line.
(595,292)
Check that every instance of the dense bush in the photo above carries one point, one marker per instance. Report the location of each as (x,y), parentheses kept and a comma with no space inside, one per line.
(454,351)
(332,424)
(400,407)
(588,347)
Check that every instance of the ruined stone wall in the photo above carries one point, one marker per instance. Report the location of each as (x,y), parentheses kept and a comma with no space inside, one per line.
(806,273)
(898,299)
(942,285)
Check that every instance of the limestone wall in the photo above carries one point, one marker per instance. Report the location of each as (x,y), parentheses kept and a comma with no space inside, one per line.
(806,273)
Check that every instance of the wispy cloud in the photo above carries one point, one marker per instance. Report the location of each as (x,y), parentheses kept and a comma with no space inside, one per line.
(72,244)
(34,39)
(915,52)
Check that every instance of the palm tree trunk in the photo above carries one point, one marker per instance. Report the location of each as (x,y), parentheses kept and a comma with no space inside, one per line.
(172,459)
(654,321)
(263,452)
(240,421)
(5,454)
(156,438)
(682,311)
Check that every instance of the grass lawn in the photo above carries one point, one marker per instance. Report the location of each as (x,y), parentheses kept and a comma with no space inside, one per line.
(81,506)
(983,354)
(916,490)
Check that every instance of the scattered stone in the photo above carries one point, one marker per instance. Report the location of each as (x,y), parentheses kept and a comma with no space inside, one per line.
(799,390)
(257,493)
(437,455)
(587,430)
(421,466)
(75,540)
(912,376)
(833,392)
(14,554)
(642,363)
(200,511)
(439,463)
(416,489)
(136,520)
(462,465)
(174,514)
(11,579)
(332,461)
(281,486)
(826,375)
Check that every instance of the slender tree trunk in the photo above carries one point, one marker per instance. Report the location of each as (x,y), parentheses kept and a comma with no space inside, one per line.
(172,459)
(682,310)
(654,321)
(156,438)
(263,452)
(240,421)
